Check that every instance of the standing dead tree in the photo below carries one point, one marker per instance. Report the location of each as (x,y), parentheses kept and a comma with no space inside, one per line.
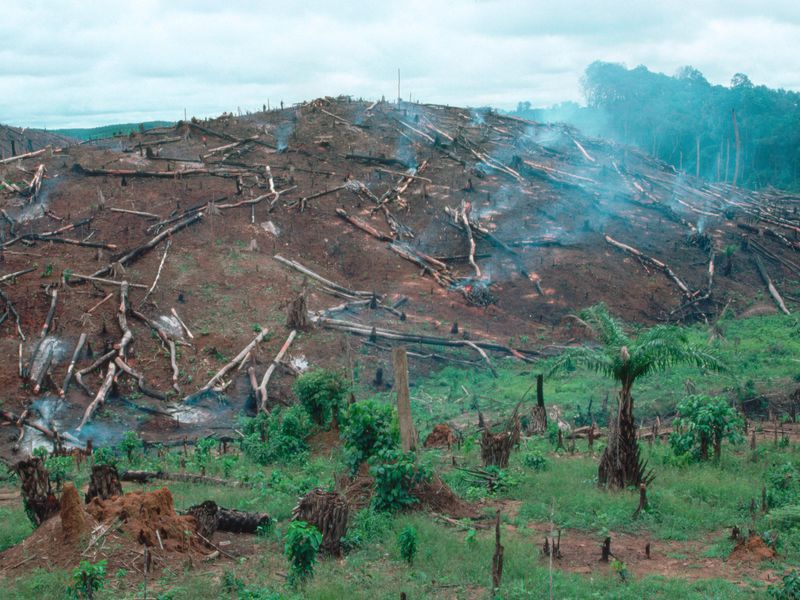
(538,422)
(497,558)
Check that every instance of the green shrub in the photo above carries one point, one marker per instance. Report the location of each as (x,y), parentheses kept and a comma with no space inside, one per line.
(704,422)
(130,445)
(786,517)
(88,578)
(395,474)
(58,467)
(535,460)
(321,392)
(407,544)
(368,429)
(302,543)
(279,436)
(105,456)
(202,453)
(367,525)
(783,485)
(788,589)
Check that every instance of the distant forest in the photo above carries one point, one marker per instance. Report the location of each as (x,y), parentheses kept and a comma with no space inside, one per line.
(691,124)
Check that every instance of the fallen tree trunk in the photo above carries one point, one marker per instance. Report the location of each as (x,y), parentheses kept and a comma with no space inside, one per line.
(262,388)
(326,282)
(364,226)
(24,156)
(652,262)
(75,355)
(773,291)
(235,362)
(147,476)
(100,398)
(211,517)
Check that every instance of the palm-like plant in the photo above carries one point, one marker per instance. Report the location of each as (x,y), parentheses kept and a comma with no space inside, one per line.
(625,359)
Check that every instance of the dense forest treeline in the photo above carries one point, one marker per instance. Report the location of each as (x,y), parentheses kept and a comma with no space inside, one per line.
(690,123)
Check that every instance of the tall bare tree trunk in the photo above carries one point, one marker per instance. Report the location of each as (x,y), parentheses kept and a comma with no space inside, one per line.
(620,466)
(738,147)
(408,435)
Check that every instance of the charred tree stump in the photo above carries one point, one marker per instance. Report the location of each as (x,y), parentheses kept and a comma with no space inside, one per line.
(104,483)
(328,512)
(408,434)
(497,559)
(647,551)
(297,313)
(642,501)
(496,447)
(538,422)
(37,494)
(606,550)
(206,516)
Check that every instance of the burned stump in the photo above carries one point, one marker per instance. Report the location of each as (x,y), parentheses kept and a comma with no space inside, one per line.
(104,483)
(496,447)
(297,313)
(37,493)
(328,512)
(538,420)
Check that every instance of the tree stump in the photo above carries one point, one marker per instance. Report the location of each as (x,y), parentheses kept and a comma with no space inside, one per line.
(104,483)
(496,447)
(497,559)
(606,550)
(297,313)
(328,512)
(37,493)
(538,421)
(211,517)
(206,516)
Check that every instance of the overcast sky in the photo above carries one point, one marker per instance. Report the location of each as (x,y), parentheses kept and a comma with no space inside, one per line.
(85,63)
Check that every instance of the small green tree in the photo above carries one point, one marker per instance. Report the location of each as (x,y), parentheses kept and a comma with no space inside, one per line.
(130,445)
(626,359)
(407,544)
(321,392)
(368,429)
(88,578)
(58,467)
(302,543)
(395,474)
(281,436)
(704,422)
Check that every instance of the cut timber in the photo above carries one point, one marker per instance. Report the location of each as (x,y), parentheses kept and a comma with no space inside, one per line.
(484,356)
(16,274)
(326,282)
(651,261)
(182,324)
(13,311)
(23,156)
(408,434)
(79,277)
(262,388)
(75,355)
(138,213)
(211,517)
(100,398)
(235,362)
(12,418)
(364,226)
(773,291)
(158,273)
(140,250)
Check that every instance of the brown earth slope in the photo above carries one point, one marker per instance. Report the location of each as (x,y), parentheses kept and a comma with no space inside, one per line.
(546,205)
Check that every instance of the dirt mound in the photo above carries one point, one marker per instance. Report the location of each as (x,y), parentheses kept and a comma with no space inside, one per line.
(753,549)
(149,518)
(435,495)
(441,437)
(73,518)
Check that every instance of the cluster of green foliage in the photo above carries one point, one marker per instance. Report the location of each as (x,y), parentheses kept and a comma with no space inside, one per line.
(783,485)
(535,459)
(704,422)
(368,429)
(395,475)
(322,393)
(788,588)
(278,436)
(302,543)
(87,579)
(670,117)
(407,541)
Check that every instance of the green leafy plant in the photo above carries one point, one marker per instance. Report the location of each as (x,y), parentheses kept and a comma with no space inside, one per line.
(395,474)
(130,445)
(321,392)
(302,543)
(535,460)
(368,429)
(88,579)
(626,359)
(58,467)
(105,456)
(783,485)
(279,436)
(788,588)
(407,543)
(704,422)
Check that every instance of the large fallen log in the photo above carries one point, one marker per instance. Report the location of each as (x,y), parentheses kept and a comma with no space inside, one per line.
(652,262)
(364,226)
(234,363)
(140,250)
(365,331)
(147,476)
(24,156)
(211,517)
(773,291)
(100,397)
(262,387)
(326,282)
(75,355)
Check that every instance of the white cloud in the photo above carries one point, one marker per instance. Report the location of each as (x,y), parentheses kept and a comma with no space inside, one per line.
(89,62)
